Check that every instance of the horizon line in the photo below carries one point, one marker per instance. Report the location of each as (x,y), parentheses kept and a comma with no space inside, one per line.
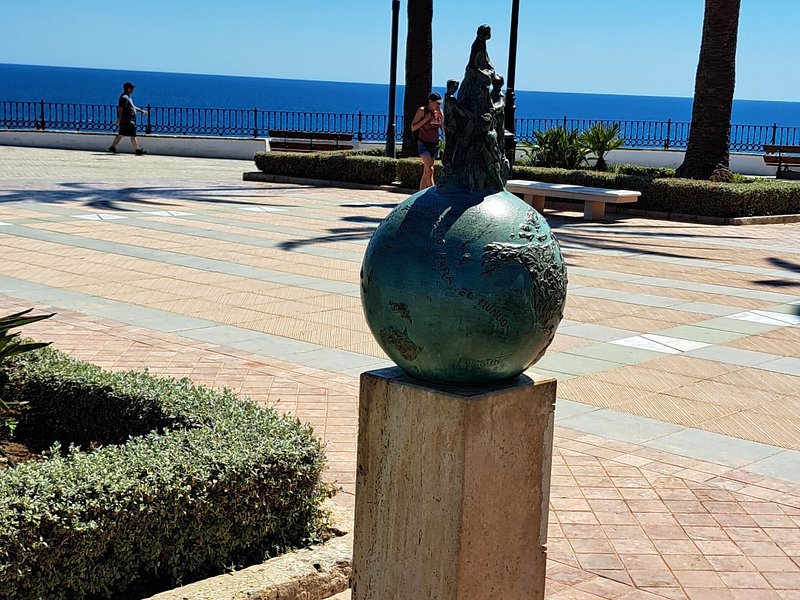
(374,82)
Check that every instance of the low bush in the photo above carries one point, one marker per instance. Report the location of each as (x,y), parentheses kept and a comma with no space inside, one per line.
(409,172)
(349,166)
(661,191)
(640,171)
(684,196)
(214,482)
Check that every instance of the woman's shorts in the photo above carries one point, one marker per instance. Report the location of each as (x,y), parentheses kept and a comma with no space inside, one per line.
(127,129)
(429,148)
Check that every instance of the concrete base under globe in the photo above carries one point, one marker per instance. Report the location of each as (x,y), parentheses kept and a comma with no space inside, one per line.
(452,489)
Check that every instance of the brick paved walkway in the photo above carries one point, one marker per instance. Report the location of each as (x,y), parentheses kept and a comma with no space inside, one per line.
(676,470)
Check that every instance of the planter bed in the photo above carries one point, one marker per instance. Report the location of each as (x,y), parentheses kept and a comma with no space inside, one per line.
(659,194)
(181,482)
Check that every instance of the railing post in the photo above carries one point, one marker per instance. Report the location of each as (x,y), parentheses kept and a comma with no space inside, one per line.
(565,122)
(360,135)
(149,128)
(774,132)
(41,114)
(669,131)
(255,121)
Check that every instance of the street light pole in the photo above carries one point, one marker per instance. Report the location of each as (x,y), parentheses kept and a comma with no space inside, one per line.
(511,98)
(390,126)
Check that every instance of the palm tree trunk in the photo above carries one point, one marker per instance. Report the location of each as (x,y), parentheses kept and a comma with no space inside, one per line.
(419,66)
(708,151)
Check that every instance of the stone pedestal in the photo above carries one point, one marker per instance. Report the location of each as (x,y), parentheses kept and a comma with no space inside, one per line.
(452,489)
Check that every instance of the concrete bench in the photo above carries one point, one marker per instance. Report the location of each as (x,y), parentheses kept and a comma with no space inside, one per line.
(595,199)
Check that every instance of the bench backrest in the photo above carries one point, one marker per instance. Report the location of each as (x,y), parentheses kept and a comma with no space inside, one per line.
(780,149)
(311,135)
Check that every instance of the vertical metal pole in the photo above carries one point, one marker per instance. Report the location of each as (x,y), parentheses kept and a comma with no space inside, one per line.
(360,136)
(390,126)
(669,130)
(511,97)
(41,114)
(774,131)
(255,121)
(565,122)
(148,129)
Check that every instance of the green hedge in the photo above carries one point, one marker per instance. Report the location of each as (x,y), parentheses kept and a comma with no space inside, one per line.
(352,167)
(217,482)
(661,192)
(684,196)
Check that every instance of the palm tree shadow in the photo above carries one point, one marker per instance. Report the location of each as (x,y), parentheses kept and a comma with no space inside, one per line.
(786,265)
(115,199)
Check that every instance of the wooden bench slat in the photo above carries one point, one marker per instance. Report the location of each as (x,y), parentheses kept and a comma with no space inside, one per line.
(311,135)
(773,160)
(775,148)
(284,145)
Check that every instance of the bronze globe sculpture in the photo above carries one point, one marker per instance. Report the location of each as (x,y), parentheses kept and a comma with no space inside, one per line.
(464,283)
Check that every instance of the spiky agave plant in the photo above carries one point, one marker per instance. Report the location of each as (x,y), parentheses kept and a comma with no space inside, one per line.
(12,344)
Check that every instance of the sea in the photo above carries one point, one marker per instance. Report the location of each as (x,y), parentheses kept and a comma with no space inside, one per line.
(103,86)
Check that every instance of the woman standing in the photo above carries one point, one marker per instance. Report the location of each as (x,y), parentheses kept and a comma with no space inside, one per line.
(427,123)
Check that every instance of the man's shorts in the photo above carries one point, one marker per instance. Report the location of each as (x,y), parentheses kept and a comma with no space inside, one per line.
(127,129)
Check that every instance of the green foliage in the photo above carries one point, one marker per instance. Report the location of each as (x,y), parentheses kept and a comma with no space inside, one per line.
(215,481)
(10,343)
(409,172)
(348,166)
(599,140)
(683,196)
(557,147)
(640,171)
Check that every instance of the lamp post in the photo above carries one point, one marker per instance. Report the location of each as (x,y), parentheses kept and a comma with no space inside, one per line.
(390,126)
(511,98)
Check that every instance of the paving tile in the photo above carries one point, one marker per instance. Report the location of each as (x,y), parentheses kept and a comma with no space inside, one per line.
(698,333)
(619,426)
(618,489)
(574,365)
(613,354)
(735,356)
(713,447)
(736,326)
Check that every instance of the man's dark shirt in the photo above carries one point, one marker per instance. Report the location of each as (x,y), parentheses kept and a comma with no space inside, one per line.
(127,111)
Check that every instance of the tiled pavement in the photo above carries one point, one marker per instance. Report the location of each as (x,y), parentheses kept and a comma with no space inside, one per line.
(676,470)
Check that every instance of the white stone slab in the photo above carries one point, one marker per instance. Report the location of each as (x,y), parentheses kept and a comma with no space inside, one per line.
(168,213)
(763,317)
(99,217)
(675,343)
(660,343)
(262,208)
(642,343)
(784,317)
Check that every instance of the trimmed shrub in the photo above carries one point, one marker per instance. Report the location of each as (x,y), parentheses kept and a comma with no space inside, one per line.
(640,171)
(409,172)
(684,196)
(349,166)
(224,482)
(661,191)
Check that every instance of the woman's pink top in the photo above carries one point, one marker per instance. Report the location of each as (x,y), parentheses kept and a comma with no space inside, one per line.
(429,132)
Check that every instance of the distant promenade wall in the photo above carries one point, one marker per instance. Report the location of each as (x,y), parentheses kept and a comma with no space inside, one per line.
(746,164)
(169,145)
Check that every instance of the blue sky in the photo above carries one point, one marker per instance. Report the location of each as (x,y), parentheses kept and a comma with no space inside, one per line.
(645,47)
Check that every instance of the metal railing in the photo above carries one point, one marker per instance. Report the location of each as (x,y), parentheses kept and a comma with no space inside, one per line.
(253,122)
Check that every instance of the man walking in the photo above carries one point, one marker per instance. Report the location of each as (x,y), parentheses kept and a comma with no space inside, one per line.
(126,119)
